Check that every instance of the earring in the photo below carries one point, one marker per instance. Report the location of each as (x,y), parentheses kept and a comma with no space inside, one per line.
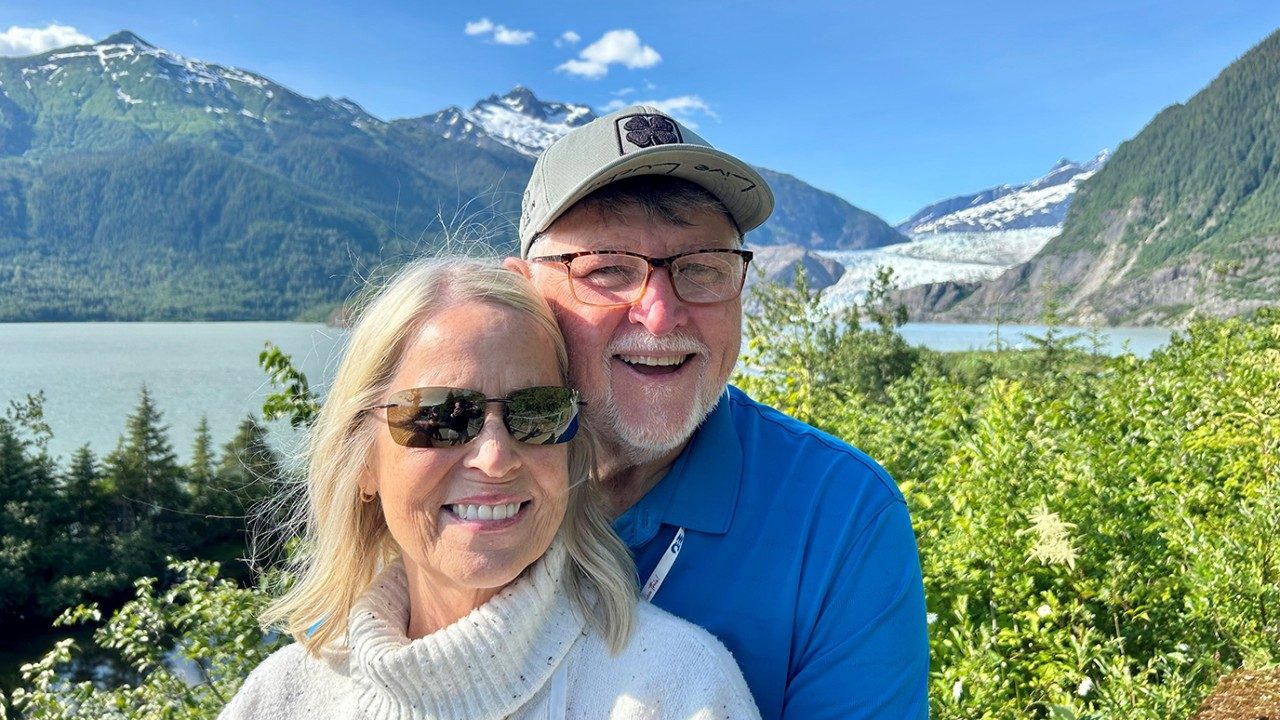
(367,498)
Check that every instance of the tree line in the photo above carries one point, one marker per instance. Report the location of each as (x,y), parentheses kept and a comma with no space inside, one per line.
(84,531)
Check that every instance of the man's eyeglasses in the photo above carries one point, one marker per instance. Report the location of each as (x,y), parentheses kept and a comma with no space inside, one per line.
(435,417)
(612,278)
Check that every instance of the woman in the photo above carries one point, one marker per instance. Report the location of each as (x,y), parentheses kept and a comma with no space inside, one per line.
(456,563)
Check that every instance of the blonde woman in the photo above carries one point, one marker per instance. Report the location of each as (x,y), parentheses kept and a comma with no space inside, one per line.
(456,562)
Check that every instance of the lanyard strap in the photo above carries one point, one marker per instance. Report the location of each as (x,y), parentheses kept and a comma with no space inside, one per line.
(664,566)
(558,702)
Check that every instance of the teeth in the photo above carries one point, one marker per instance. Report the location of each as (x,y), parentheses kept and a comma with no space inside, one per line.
(654,361)
(485,512)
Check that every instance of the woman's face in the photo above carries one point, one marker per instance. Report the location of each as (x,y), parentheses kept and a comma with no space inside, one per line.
(425,492)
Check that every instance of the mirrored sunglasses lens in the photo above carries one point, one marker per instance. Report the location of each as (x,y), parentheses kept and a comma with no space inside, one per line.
(435,417)
(543,415)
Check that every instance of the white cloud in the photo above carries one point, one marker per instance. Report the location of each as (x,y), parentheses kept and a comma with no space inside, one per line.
(479,27)
(623,92)
(501,34)
(18,41)
(616,47)
(682,108)
(568,37)
(506,36)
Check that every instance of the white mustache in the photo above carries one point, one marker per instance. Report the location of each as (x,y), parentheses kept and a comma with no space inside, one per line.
(646,344)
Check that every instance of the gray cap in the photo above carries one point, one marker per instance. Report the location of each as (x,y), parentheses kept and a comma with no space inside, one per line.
(629,143)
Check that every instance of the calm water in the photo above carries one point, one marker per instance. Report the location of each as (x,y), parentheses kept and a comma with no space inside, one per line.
(1113,341)
(91,373)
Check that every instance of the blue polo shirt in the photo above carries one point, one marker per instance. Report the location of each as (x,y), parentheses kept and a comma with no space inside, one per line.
(799,555)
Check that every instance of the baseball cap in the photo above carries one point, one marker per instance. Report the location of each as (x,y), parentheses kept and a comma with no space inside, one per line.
(631,142)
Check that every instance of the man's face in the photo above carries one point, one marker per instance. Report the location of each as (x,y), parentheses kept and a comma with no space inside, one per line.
(652,371)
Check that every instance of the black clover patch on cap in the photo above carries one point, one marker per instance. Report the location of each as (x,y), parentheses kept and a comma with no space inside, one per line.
(642,131)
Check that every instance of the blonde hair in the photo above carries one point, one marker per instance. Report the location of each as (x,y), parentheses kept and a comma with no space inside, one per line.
(345,542)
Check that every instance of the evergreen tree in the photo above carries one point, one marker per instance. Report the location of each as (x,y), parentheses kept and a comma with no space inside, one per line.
(145,482)
(200,470)
(81,552)
(26,486)
(245,475)
(249,466)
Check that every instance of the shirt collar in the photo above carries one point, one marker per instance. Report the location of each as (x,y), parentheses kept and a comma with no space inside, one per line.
(700,491)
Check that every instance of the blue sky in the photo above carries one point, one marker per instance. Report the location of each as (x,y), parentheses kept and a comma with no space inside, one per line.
(891,105)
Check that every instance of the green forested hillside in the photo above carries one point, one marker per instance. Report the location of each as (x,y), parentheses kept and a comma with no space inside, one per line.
(1184,220)
(139,184)
(1200,176)
(831,223)
(175,232)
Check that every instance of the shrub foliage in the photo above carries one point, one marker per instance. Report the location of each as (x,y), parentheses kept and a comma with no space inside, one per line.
(1098,535)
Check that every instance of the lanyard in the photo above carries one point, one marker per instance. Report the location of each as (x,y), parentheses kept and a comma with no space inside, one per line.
(558,701)
(664,566)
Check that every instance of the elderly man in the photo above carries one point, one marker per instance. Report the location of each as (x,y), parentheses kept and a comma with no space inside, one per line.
(792,547)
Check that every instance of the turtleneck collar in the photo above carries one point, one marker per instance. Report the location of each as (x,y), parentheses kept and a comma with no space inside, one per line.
(486,665)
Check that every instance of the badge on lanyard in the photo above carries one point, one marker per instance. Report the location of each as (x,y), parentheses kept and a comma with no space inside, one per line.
(664,566)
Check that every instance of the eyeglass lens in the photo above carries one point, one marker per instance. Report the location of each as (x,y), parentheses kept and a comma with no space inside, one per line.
(617,279)
(433,417)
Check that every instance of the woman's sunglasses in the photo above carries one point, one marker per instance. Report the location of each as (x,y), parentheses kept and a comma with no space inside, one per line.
(434,417)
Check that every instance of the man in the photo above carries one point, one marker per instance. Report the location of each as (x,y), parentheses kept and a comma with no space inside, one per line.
(789,545)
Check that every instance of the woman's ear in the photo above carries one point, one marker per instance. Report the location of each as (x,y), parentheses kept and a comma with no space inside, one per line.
(368,483)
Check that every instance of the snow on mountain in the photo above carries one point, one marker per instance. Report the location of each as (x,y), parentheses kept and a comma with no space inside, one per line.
(125,48)
(967,238)
(1040,203)
(518,120)
(131,65)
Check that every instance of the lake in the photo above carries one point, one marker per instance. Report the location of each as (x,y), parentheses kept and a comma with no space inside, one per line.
(91,373)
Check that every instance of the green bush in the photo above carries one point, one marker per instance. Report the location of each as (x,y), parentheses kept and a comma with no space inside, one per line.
(1097,535)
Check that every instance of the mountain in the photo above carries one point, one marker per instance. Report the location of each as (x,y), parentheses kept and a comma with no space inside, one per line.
(965,239)
(811,218)
(124,92)
(140,184)
(517,120)
(1040,203)
(136,183)
(803,215)
(1184,220)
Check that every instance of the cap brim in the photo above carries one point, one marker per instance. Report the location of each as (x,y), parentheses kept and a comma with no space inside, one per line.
(742,190)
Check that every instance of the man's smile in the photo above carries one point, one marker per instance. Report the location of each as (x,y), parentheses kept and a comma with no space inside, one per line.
(654,364)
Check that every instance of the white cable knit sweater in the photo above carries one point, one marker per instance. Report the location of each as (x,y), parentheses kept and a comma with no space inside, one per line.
(498,662)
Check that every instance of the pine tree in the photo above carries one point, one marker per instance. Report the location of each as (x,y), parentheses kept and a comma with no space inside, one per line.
(81,552)
(200,470)
(249,465)
(83,502)
(245,475)
(146,483)
(26,484)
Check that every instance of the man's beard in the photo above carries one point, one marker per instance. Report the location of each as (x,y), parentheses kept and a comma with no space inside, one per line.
(652,432)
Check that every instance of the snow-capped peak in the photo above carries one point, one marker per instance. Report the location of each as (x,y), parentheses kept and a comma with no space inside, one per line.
(518,120)
(125,48)
(129,66)
(1043,202)
(1098,160)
